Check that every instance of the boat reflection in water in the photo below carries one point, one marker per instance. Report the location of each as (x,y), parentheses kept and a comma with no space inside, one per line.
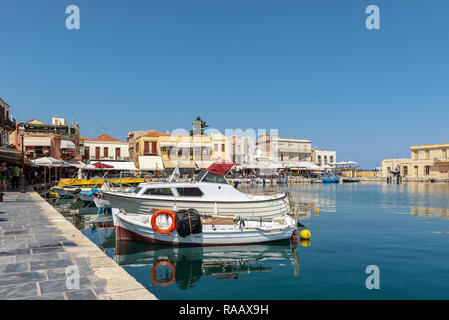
(186,265)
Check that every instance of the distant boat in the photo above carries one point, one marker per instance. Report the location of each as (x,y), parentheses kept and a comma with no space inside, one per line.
(331,180)
(349,180)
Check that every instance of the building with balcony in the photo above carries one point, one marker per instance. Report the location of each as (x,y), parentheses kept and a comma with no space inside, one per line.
(242,150)
(285,151)
(156,150)
(324,157)
(427,161)
(7,124)
(58,140)
(105,148)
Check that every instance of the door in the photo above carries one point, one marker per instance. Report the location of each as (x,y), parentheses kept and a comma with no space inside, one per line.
(117,153)
(97,153)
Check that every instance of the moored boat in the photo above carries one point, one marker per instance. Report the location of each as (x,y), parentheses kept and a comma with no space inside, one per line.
(210,193)
(216,232)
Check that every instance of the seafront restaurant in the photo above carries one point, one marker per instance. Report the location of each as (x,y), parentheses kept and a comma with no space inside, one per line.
(428,161)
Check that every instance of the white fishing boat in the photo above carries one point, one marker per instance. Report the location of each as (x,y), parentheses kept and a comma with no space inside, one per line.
(210,193)
(214,230)
(100,200)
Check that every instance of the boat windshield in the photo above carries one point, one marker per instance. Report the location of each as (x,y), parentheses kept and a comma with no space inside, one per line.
(205,176)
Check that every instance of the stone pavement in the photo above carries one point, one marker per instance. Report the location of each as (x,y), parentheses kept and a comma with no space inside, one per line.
(41,252)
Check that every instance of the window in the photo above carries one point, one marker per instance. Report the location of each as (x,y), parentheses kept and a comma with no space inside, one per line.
(216,147)
(415,155)
(189,192)
(97,153)
(222,147)
(137,147)
(137,189)
(163,149)
(405,170)
(87,152)
(159,191)
(106,152)
(331,159)
(427,170)
(205,176)
(427,154)
(117,153)
(146,147)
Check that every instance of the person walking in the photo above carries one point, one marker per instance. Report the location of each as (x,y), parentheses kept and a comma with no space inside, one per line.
(4,176)
(16,177)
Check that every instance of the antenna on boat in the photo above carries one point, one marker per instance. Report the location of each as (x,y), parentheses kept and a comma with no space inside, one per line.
(175,173)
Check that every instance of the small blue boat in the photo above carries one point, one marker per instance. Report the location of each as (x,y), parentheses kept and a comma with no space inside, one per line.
(331,178)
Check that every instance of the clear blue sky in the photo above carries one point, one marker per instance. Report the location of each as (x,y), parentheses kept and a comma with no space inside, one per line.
(308,68)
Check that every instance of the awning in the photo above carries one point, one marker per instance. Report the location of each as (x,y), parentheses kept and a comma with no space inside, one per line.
(151,163)
(168,143)
(303,165)
(37,142)
(203,164)
(67,144)
(13,156)
(182,164)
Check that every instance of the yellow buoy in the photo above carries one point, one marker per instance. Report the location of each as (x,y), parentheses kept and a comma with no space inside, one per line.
(317,211)
(305,234)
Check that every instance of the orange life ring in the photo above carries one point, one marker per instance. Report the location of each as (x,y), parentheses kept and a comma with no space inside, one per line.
(155,227)
(163,263)
(147,179)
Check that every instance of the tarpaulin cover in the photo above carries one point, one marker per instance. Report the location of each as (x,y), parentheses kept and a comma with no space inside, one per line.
(188,222)
(100,165)
(220,168)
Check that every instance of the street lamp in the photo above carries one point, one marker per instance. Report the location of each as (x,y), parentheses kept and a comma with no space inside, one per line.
(22,134)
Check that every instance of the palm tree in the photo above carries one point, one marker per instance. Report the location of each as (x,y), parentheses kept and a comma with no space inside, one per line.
(198,125)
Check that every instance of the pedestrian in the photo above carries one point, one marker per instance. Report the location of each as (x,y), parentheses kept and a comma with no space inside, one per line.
(4,176)
(16,177)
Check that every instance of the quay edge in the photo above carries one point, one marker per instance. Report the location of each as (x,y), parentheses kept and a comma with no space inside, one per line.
(37,244)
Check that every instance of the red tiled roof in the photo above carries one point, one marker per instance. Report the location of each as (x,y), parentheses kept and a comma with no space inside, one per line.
(156,134)
(105,137)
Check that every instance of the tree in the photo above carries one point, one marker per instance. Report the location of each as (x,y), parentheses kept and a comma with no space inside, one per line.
(198,126)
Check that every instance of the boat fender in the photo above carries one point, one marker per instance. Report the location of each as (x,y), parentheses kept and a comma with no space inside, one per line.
(163,263)
(147,179)
(188,221)
(155,227)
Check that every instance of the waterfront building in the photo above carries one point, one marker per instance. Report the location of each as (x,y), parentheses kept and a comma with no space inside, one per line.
(146,149)
(7,124)
(427,161)
(324,158)
(242,150)
(9,134)
(221,147)
(105,148)
(57,140)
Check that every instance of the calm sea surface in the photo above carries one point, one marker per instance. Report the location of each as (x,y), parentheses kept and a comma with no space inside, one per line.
(402,229)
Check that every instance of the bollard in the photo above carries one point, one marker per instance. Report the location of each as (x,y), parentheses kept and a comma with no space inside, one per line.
(1,196)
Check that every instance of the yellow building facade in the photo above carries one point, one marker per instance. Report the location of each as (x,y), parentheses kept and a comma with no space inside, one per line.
(191,152)
(427,161)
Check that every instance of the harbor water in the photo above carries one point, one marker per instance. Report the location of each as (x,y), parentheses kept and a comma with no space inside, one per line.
(401,229)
